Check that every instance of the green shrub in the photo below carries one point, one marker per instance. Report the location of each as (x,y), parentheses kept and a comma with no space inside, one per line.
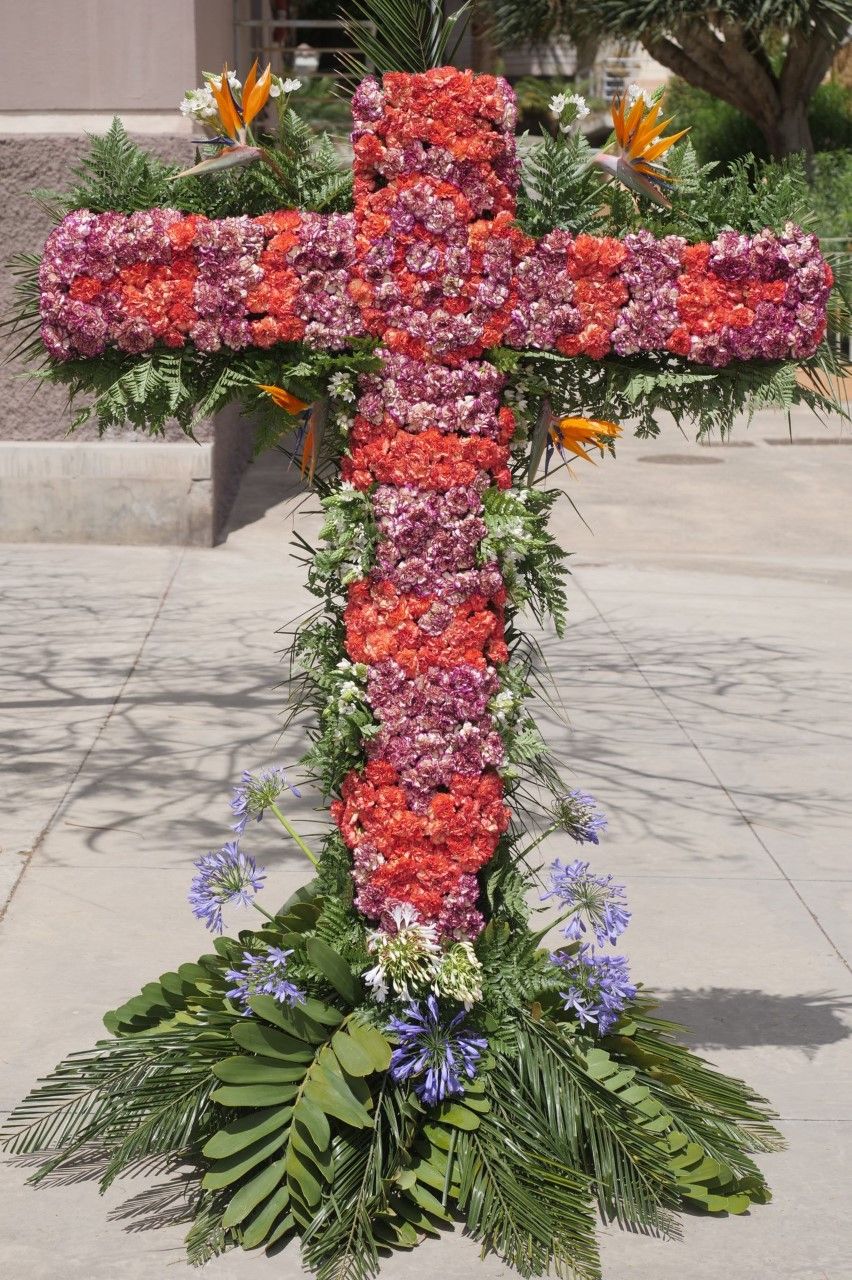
(831,193)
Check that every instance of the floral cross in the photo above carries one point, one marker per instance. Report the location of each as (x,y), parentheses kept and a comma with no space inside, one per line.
(432,264)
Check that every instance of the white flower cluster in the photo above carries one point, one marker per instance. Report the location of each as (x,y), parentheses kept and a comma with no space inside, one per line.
(200,105)
(341,386)
(280,87)
(409,958)
(569,109)
(517,396)
(504,706)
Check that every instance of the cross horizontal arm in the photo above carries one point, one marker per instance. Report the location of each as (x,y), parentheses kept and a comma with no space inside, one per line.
(161,278)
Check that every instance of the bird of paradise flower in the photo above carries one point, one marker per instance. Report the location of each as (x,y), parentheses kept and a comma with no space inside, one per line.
(235,119)
(640,146)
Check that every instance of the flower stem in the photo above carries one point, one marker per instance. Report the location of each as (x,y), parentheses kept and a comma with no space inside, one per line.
(263,912)
(538,840)
(291,831)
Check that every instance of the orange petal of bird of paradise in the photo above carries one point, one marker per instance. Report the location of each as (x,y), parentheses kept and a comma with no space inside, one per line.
(572,433)
(293,405)
(640,146)
(290,403)
(255,92)
(229,112)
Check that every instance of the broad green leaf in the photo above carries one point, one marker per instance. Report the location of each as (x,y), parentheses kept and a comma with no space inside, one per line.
(333,967)
(254,1095)
(460,1117)
(317,1158)
(171,983)
(227,948)
(438,1136)
(324,1013)
(254,1193)
(298,1171)
(245,1070)
(474,1103)
(373,1043)
(233,1168)
(306,1027)
(305,894)
(315,1120)
(280,1229)
(303,917)
(333,1096)
(245,1130)
(293,1021)
(192,973)
(354,1060)
(411,1212)
(265,1040)
(256,1231)
(429,1202)
(400,1234)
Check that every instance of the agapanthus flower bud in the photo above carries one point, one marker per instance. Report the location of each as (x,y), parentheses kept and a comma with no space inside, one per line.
(256,792)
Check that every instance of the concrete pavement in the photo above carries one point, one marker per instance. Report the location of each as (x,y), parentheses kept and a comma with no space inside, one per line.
(704,686)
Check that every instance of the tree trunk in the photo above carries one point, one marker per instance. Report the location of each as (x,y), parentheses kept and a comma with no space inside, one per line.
(727,69)
(789,132)
(587,47)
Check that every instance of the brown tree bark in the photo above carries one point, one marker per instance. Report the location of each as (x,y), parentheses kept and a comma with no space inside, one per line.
(728,65)
(789,132)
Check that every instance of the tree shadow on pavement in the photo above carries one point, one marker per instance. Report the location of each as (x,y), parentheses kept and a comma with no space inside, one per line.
(731,1018)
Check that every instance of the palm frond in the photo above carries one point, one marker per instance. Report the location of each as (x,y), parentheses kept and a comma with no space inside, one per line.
(23,324)
(520,1200)
(127,1098)
(402,35)
(600,1130)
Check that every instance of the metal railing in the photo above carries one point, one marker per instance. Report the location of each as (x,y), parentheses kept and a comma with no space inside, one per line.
(299,47)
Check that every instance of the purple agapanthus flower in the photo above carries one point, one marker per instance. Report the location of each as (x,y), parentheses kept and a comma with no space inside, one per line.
(578,814)
(264,974)
(433,1051)
(594,901)
(599,987)
(227,876)
(256,792)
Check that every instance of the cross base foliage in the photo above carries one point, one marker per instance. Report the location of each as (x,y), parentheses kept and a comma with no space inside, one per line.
(288,1123)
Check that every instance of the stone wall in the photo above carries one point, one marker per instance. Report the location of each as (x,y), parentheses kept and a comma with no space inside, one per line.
(106,57)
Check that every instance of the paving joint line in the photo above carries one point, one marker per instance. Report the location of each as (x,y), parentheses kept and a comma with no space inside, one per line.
(57,809)
(722,786)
